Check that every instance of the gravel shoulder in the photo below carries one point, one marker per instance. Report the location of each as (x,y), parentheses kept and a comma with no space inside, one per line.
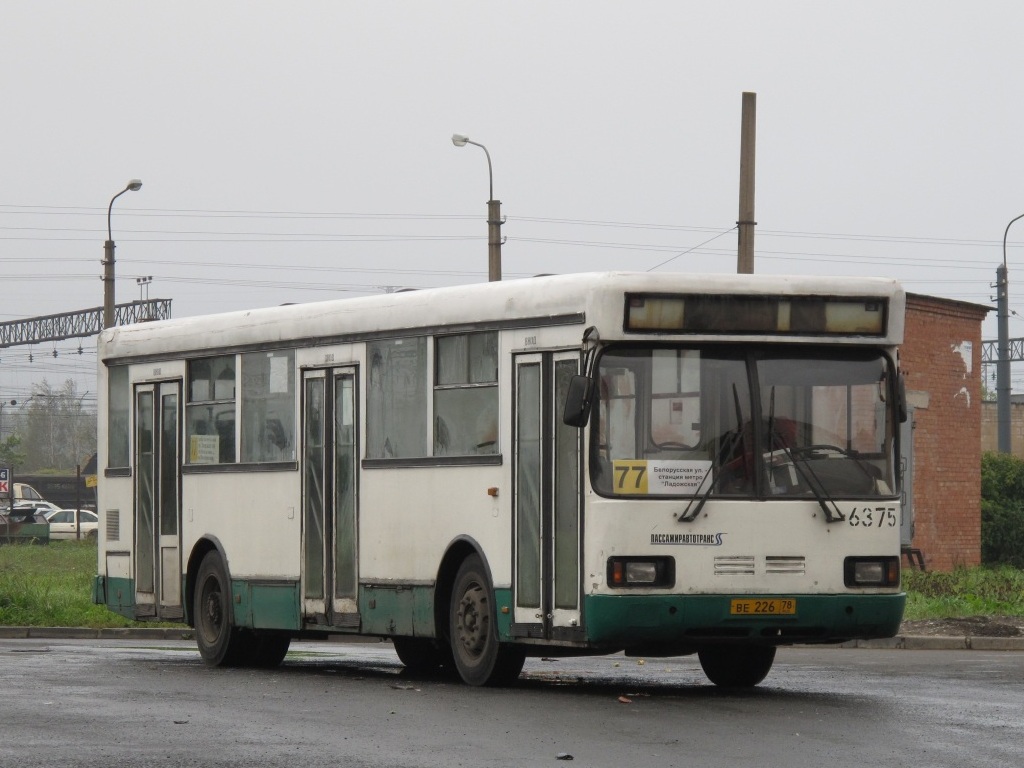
(966,626)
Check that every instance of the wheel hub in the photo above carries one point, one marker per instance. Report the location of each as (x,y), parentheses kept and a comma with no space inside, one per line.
(213,614)
(472,620)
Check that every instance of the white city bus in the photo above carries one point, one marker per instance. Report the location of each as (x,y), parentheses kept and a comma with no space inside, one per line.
(658,464)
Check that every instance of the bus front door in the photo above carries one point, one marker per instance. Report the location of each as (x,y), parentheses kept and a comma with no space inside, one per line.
(157,500)
(330,464)
(547,500)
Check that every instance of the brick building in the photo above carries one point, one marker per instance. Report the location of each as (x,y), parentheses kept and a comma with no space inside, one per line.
(941,358)
(990,422)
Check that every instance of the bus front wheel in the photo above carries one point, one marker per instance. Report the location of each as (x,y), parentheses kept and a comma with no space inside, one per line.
(736,666)
(218,640)
(479,658)
(263,650)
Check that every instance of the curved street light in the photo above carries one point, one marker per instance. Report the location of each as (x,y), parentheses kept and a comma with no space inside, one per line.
(108,258)
(493,213)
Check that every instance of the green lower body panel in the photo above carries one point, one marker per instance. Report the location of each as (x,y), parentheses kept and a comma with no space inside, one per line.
(266,605)
(409,610)
(503,609)
(397,610)
(611,622)
(621,621)
(116,593)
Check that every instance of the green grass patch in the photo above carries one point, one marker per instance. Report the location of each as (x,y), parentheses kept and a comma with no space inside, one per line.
(51,586)
(985,591)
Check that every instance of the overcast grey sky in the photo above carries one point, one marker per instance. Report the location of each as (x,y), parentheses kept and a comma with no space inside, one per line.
(297,152)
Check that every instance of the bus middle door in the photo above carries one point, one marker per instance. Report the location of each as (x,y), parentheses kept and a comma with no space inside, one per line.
(330,475)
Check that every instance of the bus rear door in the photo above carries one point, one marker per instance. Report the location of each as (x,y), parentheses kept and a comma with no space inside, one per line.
(157,500)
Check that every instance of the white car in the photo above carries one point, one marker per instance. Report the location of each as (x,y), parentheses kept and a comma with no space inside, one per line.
(63,526)
(42,507)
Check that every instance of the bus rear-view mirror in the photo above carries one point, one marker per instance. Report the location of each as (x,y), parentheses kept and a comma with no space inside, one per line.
(577,402)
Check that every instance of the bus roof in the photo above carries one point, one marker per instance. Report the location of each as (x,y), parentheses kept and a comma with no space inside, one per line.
(594,298)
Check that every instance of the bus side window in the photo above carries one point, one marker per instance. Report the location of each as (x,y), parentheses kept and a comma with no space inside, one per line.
(396,398)
(119,404)
(268,406)
(466,394)
(210,411)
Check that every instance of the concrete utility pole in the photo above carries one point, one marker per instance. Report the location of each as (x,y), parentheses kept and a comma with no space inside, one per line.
(493,239)
(746,223)
(1003,385)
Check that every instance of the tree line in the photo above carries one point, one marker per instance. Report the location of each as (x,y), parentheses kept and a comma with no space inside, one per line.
(1002,510)
(50,431)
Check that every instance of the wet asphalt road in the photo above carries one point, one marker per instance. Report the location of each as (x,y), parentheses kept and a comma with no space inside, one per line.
(130,703)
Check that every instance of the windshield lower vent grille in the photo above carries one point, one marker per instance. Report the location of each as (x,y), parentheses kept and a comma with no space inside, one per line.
(776,564)
(734,566)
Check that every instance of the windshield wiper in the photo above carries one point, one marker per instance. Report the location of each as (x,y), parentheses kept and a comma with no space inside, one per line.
(689,515)
(804,468)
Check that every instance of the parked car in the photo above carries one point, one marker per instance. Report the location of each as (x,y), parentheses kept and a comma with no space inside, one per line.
(63,525)
(40,506)
(23,492)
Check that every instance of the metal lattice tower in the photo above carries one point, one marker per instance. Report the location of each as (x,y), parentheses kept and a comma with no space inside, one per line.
(990,351)
(84,322)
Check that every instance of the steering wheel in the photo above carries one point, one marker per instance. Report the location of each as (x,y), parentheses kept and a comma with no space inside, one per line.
(820,447)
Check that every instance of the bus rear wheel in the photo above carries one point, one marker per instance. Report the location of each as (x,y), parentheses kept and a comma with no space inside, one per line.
(421,655)
(735,666)
(217,638)
(479,658)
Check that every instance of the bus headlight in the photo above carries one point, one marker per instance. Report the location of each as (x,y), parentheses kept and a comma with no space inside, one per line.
(641,571)
(872,571)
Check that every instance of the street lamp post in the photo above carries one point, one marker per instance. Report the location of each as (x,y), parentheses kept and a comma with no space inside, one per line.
(108,259)
(1003,385)
(493,214)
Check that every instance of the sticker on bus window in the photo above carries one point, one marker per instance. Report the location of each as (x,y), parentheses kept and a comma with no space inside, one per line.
(650,478)
(204,449)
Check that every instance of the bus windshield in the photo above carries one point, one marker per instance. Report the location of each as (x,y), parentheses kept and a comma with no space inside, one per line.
(767,422)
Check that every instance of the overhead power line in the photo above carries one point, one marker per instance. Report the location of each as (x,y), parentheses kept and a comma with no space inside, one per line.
(16,209)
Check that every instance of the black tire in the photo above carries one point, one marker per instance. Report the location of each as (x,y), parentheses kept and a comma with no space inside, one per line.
(736,666)
(263,650)
(421,655)
(216,636)
(472,626)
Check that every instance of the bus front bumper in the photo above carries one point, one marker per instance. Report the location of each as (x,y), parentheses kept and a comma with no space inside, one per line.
(622,621)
